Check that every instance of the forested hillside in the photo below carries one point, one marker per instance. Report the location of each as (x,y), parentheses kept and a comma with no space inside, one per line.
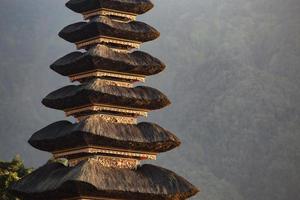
(232,74)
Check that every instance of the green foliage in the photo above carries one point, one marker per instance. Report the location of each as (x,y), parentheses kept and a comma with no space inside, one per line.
(11,172)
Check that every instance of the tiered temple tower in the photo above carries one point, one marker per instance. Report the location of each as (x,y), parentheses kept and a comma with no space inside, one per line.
(105,146)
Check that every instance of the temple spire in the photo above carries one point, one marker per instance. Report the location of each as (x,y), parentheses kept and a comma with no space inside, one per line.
(106,146)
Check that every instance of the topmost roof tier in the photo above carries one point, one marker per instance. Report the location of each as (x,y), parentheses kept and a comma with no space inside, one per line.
(123,8)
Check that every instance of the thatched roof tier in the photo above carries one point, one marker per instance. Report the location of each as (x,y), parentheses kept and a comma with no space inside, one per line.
(134,31)
(88,178)
(130,6)
(102,57)
(95,92)
(93,131)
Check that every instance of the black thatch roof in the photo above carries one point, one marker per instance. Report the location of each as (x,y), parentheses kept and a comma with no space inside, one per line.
(131,6)
(104,58)
(137,31)
(94,92)
(94,131)
(55,181)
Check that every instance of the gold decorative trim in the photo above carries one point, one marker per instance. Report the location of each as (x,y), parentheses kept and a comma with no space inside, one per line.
(112,118)
(109,82)
(103,150)
(121,50)
(110,12)
(116,162)
(103,107)
(108,161)
(106,73)
(117,83)
(105,39)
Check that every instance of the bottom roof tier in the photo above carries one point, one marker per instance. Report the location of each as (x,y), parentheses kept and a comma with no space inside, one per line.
(90,179)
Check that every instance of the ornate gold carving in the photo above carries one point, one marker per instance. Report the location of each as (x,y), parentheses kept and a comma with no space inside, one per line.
(120,50)
(116,162)
(112,74)
(109,12)
(104,39)
(118,83)
(105,150)
(108,161)
(112,118)
(107,108)
(115,83)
